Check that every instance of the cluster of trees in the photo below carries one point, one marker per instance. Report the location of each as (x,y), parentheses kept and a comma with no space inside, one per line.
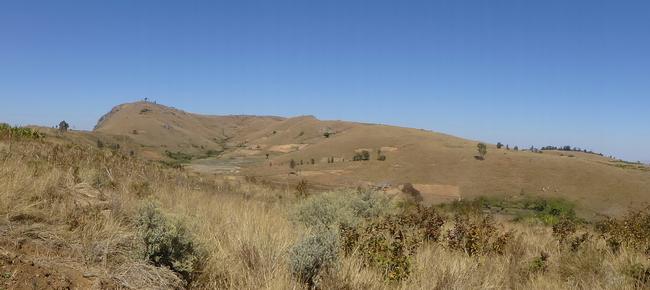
(561,148)
(359,156)
(569,148)
(364,155)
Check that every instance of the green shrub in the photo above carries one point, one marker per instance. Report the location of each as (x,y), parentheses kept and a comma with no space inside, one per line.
(314,255)
(389,242)
(478,237)
(341,207)
(413,193)
(168,240)
(632,231)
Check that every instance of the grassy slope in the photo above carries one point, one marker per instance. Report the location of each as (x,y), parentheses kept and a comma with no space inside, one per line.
(424,157)
(56,233)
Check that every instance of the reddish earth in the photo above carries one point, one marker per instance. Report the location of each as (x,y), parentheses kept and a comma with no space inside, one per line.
(34,262)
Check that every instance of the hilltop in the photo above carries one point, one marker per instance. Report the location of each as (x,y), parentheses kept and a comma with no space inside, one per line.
(441,166)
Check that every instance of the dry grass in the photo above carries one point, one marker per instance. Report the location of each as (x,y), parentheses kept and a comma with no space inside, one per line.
(75,207)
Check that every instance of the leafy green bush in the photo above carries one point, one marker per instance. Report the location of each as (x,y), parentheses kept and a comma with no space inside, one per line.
(168,240)
(478,237)
(389,242)
(314,255)
(632,232)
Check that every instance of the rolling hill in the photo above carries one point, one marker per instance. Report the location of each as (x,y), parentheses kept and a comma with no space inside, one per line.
(443,167)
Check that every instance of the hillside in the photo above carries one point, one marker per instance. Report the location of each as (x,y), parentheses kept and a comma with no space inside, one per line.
(443,167)
(81,217)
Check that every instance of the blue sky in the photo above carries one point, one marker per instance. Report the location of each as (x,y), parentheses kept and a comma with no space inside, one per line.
(519,72)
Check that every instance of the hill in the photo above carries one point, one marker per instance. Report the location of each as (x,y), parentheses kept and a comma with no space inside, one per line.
(441,166)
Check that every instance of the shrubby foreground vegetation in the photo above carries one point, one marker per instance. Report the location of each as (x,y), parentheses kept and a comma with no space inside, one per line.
(138,225)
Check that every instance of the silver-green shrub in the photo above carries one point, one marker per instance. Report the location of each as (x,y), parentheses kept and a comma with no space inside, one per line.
(342,207)
(168,240)
(314,255)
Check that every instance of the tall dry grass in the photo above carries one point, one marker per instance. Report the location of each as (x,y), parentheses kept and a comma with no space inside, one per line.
(86,201)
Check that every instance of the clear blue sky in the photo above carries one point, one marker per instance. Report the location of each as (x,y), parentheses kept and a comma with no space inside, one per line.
(519,72)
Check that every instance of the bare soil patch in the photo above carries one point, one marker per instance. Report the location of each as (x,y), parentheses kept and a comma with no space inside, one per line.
(286,148)
(389,149)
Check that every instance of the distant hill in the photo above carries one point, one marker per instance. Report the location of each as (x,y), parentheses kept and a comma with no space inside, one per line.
(443,167)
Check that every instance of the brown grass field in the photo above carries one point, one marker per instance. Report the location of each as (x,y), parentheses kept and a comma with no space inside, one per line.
(73,215)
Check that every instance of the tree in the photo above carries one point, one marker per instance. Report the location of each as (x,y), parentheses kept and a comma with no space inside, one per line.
(365,154)
(292,164)
(326,134)
(516,148)
(482,149)
(499,145)
(412,192)
(63,126)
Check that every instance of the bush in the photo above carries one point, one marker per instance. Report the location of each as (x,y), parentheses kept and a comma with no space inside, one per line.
(168,240)
(302,188)
(365,154)
(314,255)
(415,194)
(482,149)
(341,207)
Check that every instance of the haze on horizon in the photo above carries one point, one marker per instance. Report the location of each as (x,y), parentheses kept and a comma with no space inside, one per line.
(521,73)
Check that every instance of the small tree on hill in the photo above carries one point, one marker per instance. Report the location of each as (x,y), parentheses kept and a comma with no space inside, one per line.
(292,164)
(366,155)
(63,126)
(482,149)
(499,145)
(410,191)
